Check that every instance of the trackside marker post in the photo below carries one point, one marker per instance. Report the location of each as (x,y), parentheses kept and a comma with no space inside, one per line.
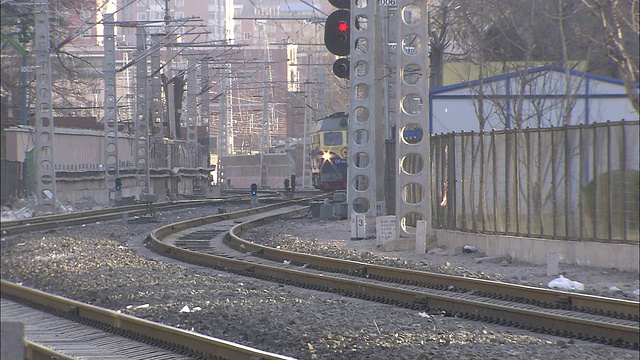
(358,226)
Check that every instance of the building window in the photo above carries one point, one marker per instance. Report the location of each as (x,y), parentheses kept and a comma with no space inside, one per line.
(179,3)
(179,15)
(247,35)
(142,16)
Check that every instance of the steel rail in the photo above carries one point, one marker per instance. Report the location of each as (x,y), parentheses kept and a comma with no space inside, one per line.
(135,327)
(34,351)
(207,346)
(619,332)
(611,307)
(86,217)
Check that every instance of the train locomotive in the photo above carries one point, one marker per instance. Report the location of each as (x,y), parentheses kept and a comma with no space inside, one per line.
(329,151)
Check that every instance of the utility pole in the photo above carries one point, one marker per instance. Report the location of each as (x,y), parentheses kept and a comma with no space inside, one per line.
(414,160)
(362,176)
(266,123)
(306,168)
(204,107)
(45,165)
(321,95)
(171,106)
(142,112)
(192,90)
(157,109)
(223,129)
(111,166)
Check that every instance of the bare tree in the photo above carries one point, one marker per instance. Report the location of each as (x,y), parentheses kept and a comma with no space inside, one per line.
(73,76)
(441,17)
(620,29)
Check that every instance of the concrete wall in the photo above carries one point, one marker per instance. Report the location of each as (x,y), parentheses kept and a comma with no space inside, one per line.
(533,250)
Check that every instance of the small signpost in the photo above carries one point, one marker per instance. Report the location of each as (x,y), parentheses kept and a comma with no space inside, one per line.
(358,226)
(385,229)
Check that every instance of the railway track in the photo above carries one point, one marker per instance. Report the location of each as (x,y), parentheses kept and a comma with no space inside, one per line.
(573,315)
(204,241)
(79,218)
(125,336)
(73,330)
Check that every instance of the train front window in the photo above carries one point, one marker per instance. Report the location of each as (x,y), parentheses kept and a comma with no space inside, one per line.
(332,138)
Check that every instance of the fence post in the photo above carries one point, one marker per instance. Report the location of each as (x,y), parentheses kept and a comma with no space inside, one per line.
(623,168)
(463,181)
(528,145)
(567,187)
(609,180)
(495,181)
(554,201)
(516,179)
(507,208)
(595,182)
(452,183)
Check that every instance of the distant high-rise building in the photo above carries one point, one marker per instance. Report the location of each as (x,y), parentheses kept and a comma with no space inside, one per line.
(217,16)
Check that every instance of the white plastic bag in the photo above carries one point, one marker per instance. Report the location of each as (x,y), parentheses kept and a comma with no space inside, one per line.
(562,283)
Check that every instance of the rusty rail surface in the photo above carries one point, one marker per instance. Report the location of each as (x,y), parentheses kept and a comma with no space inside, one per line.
(599,319)
(203,345)
(85,217)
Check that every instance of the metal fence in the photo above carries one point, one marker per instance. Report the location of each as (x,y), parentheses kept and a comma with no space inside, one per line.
(13,186)
(576,182)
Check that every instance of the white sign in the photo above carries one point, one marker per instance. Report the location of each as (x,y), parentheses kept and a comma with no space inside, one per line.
(358,226)
(385,229)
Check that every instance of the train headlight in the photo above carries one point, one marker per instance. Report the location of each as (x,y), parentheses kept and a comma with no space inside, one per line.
(326,156)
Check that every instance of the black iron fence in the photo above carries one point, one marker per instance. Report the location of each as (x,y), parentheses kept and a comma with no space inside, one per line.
(12,175)
(576,182)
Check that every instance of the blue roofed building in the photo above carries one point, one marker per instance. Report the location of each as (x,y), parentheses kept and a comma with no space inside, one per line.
(543,96)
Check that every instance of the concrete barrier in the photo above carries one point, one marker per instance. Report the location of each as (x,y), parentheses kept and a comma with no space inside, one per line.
(622,257)
(12,341)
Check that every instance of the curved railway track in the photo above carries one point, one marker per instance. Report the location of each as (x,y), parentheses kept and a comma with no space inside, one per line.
(16,299)
(79,218)
(573,315)
(206,241)
(161,337)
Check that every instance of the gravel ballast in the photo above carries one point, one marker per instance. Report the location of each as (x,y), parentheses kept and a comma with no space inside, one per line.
(105,264)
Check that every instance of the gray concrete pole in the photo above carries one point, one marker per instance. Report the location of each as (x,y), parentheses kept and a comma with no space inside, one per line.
(306,167)
(413,180)
(45,164)
(223,135)
(157,109)
(112,167)
(322,99)
(192,129)
(204,107)
(141,120)
(361,178)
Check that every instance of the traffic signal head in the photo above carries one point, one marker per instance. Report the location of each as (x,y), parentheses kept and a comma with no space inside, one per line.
(341,4)
(337,31)
(118,184)
(254,189)
(341,68)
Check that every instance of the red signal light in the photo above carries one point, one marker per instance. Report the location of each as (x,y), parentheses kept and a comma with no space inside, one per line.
(336,32)
(343,26)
